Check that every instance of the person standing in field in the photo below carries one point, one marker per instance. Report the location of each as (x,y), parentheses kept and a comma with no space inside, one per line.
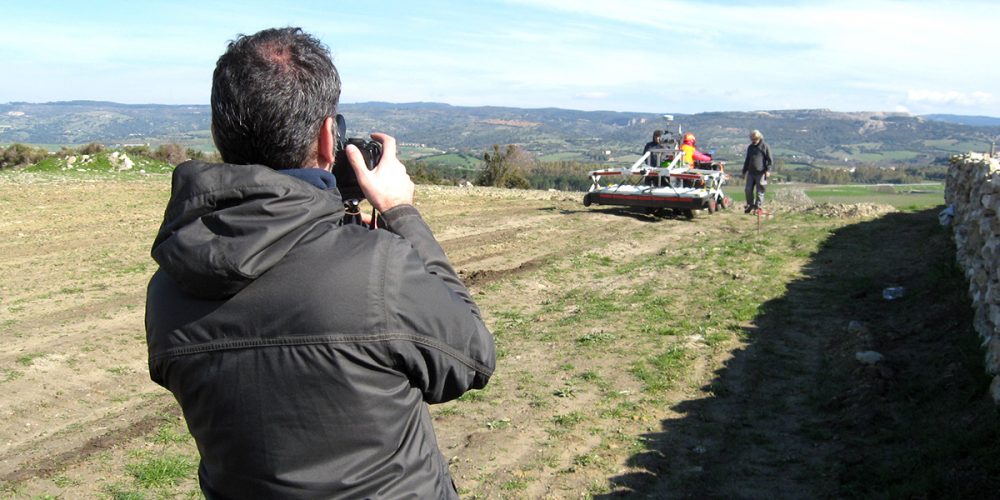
(756,170)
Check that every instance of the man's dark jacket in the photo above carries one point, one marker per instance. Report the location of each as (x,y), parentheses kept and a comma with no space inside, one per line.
(758,159)
(301,351)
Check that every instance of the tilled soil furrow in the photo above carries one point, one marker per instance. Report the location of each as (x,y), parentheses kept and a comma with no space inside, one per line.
(42,460)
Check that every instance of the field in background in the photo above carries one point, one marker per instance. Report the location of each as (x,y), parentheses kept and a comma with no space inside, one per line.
(658,357)
(903,196)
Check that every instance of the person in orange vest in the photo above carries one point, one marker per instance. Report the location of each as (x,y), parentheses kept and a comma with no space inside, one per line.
(691,153)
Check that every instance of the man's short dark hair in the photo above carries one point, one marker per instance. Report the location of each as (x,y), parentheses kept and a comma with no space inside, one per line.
(657,134)
(271,92)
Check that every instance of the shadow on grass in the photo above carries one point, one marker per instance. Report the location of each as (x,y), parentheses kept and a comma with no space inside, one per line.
(794,414)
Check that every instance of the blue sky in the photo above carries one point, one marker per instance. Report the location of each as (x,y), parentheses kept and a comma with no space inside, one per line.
(647,56)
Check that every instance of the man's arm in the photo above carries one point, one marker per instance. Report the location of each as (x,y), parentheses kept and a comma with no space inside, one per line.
(767,156)
(389,189)
(406,221)
(452,350)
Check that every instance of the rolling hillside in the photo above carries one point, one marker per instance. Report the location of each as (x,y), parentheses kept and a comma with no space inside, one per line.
(815,136)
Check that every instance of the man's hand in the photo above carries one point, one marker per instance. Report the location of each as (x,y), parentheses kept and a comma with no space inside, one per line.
(388,185)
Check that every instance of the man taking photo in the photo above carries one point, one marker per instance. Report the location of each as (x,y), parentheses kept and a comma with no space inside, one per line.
(302,351)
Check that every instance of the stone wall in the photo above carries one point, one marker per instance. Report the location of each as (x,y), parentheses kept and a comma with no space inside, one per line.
(973,190)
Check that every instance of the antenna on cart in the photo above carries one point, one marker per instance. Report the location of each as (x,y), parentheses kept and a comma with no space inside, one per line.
(669,119)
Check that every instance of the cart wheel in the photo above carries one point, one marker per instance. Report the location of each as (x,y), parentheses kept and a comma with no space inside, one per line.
(712,206)
(727,202)
(586,200)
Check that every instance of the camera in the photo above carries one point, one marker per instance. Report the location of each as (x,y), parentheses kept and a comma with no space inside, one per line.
(347,181)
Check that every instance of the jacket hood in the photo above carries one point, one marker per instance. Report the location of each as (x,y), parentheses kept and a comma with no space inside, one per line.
(225,225)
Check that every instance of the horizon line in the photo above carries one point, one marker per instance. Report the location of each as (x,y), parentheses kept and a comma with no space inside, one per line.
(413,103)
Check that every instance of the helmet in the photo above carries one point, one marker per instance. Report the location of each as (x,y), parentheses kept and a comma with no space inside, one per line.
(689,138)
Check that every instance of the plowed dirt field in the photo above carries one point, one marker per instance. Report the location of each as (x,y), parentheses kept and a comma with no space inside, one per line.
(637,355)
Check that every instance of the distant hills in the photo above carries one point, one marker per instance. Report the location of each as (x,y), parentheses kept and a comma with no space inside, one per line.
(814,137)
(975,121)
(81,122)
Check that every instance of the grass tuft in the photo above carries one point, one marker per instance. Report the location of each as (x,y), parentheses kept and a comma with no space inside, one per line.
(162,471)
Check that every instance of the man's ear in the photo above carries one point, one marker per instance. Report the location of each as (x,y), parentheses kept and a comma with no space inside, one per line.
(326,144)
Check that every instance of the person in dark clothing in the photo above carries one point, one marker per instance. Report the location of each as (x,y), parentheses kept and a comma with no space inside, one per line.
(657,143)
(302,351)
(756,170)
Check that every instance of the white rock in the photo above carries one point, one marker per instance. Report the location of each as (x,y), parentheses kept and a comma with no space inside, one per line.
(868,357)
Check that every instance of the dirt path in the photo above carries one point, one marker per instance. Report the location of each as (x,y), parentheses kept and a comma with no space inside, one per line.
(651,357)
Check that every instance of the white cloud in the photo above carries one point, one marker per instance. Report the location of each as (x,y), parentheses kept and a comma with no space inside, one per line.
(854,54)
(950,97)
(643,55)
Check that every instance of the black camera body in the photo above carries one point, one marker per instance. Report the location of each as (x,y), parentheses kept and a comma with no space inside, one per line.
(347,181)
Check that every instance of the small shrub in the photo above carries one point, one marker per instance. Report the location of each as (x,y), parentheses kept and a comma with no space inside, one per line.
(174,154)
(19,155)
(91,149)
(570,419)
(595,338)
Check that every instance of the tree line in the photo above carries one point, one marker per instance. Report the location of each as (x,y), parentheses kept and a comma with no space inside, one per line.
(21,155)
(868,175)
(509,166)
